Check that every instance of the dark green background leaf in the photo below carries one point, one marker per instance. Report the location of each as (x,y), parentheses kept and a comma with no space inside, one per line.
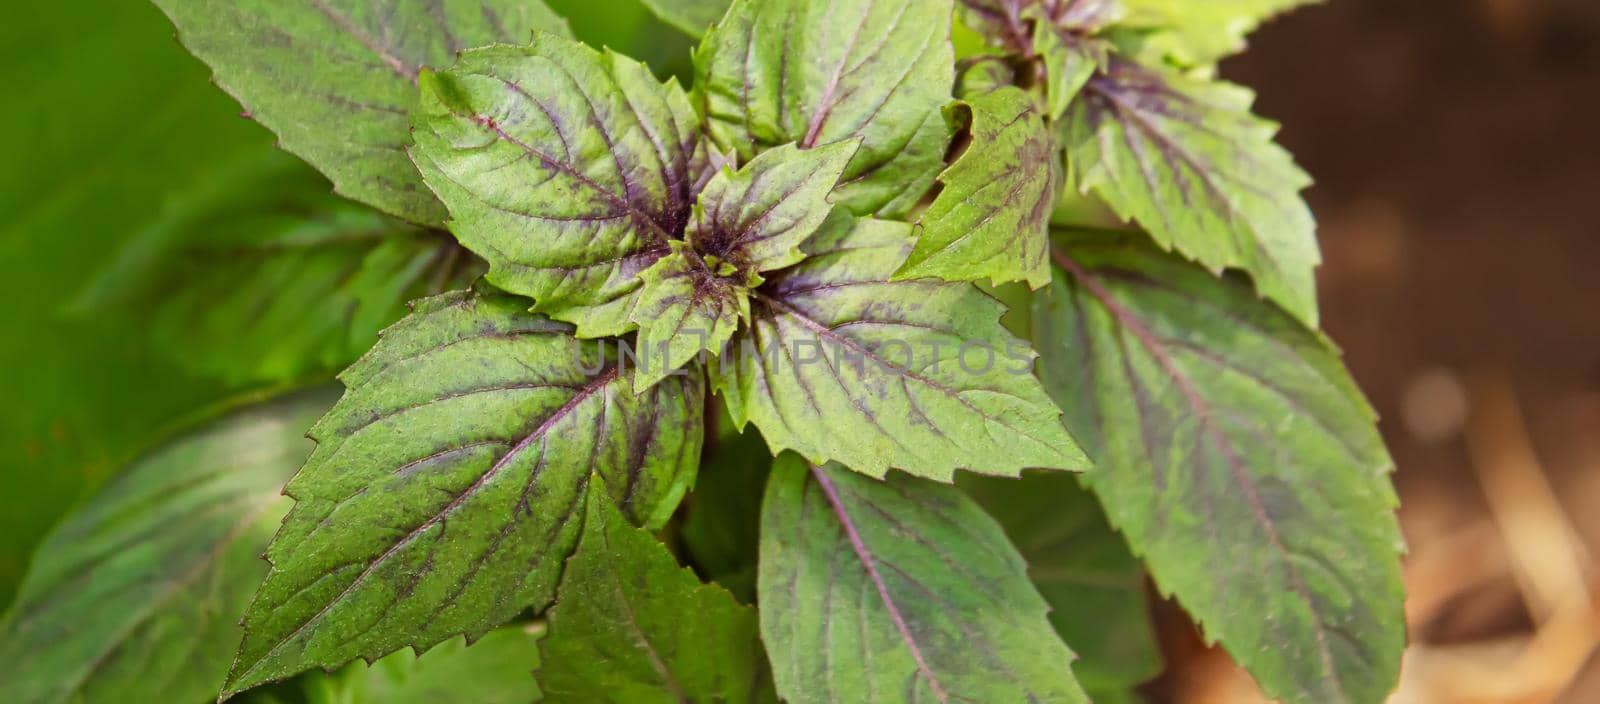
(898,590)
(722,521)
(1094,585)
(691,16)
(335,79)
(1237,456)
(137,594)
(260,276)
(128,111)
(631,626)
(495,669)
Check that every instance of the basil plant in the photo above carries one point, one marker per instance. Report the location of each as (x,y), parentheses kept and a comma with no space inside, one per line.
(876,351)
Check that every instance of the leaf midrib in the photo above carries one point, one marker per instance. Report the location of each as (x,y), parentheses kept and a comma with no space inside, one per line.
(638,215)
(1238,219)
(1198,405)
(632,617)
(348,26)
(869,563)
(594,386)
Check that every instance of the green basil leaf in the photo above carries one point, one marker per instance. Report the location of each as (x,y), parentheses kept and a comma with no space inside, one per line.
(691,16)
(1071,56)
(757,218)
(136,596)
(1186,160)
(901,590)
(335,79)
(744,223)
(992,219)
(920,372)
(448,484)
(633,627)
(684,308)
(568,169)
(1238,457)
(1084,570)
(494,669)
(1059,34)
(1194,34)
(779,71)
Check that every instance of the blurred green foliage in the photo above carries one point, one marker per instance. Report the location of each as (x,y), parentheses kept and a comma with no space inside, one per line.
(111,125)
(109,116)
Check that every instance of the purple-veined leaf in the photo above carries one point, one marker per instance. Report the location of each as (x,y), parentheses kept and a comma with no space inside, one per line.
(1070,53)
(685,307)
(744,223)
(756,218)
(1239,459)
(447,486)
(567,168)
(841,363)
(335,79)
(1058,33)
(992,219)
(898,590)
(1013,24)
(1185,159)
(779,71)
(632,626)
